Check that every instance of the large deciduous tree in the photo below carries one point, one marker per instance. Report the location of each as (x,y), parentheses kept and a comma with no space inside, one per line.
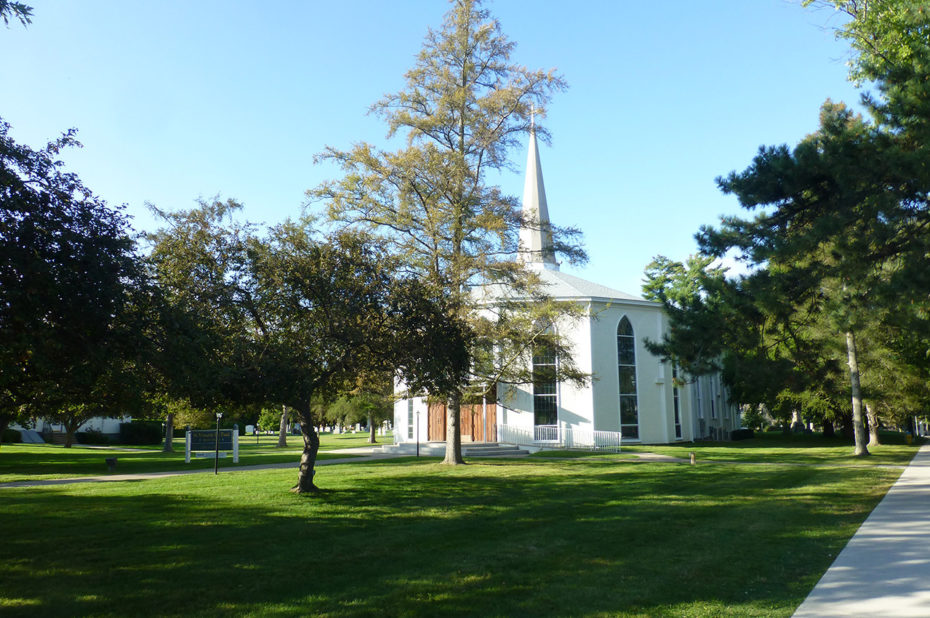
(286,318)
(465,105)
(73,295)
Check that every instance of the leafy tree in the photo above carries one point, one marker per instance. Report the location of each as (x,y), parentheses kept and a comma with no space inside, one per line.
(368,404)
(286,318)
(9,9)
(269,419)
(203,337)
(765,349)
(73,294)
(177,413)
(331,311)
(464,107)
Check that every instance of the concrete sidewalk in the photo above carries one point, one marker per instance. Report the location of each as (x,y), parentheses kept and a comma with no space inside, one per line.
(884,570)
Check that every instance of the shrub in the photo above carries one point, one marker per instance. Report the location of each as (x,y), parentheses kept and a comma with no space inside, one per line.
(11,436)
(741,434)
(140,432)
(92,436)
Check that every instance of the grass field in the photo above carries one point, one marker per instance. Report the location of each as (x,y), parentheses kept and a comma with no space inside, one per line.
(530,537)
(26,462)
(774,447)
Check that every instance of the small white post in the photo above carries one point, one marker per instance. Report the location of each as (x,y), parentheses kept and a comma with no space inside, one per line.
(235,445)
(187,446)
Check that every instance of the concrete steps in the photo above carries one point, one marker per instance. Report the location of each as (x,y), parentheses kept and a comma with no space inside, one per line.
(493,449)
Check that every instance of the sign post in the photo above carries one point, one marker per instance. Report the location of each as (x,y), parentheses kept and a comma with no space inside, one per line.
(216,455)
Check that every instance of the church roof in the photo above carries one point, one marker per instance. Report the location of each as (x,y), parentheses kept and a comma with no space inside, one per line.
(561,285)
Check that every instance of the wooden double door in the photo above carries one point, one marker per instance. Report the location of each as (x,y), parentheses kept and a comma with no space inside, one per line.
(479,422)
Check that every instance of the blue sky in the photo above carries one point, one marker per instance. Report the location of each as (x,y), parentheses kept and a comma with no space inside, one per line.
(175,100)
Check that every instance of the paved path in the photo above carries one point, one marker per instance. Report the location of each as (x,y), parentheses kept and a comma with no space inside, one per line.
(884,570)
(359,454)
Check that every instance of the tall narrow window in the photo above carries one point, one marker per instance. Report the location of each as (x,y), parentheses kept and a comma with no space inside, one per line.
(697,398)
(676,402)
(626,361)
(409,417)
(545,392)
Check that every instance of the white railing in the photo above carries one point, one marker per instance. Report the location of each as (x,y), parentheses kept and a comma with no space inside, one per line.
(562,437)
(546,433)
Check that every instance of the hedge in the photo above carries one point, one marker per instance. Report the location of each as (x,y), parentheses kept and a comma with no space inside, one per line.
(140,432)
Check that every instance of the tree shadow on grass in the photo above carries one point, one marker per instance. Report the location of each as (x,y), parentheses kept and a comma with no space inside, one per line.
(484,539)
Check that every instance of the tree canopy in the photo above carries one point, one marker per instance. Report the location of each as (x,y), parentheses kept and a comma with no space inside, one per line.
(838,246)
(73,293)
(464,107)
(285,317)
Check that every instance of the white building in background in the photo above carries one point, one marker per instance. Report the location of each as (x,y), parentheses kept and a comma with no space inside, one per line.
(631,393)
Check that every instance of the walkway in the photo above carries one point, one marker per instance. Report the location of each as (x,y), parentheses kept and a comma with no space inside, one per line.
(358,454)
(884,570)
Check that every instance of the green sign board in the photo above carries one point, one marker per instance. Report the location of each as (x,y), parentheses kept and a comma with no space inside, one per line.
(206,440)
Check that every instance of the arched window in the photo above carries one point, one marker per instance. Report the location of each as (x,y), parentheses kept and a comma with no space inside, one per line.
(545,391)
(626,362)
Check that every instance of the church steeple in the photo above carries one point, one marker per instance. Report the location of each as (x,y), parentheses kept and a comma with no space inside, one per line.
(535,236)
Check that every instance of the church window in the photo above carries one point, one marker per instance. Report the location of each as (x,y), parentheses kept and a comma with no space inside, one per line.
(676,402)
(545,385)
(697,399)
(409,417)
(626,362)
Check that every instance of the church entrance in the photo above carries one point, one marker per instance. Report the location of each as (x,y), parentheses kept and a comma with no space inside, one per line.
(479,422)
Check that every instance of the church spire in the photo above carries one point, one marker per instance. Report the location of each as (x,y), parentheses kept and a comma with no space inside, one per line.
(535,235)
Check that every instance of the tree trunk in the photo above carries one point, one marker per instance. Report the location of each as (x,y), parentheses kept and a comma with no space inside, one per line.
(4,423)
(306,472)
(873,425)
(846,426)
(454,431)
(71,428)
(371,431)
(858,428)
(828,431)
(282,428)
(169,433)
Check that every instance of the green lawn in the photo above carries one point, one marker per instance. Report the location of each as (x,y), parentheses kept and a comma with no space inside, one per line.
(530,537)
(774,447)
(23,462)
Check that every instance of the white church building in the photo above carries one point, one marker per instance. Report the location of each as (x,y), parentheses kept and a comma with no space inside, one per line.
(631,395)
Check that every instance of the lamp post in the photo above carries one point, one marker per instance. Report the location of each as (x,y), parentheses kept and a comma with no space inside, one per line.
(216,454)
